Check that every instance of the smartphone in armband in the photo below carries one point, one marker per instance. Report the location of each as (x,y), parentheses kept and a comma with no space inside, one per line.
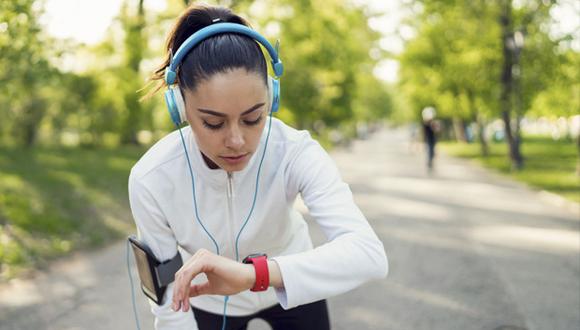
(154,275)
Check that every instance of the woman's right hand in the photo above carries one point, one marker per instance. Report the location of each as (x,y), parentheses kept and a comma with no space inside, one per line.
(224,277)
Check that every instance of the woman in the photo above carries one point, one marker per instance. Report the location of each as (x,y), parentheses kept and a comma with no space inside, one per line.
(222,189)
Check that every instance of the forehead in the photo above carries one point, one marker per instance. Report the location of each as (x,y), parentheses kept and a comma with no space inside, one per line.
(230,92)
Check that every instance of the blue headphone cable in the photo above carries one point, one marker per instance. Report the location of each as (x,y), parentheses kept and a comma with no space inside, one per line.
(226,298)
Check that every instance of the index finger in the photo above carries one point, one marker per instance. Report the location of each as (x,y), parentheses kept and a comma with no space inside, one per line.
(183,279)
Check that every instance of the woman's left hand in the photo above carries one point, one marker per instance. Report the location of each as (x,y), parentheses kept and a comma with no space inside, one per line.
(224,277)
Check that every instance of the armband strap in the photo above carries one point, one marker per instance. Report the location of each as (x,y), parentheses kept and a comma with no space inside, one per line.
(166,271)
(154,275)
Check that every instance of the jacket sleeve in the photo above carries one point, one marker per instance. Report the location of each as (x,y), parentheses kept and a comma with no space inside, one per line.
(352,255)
(153,229)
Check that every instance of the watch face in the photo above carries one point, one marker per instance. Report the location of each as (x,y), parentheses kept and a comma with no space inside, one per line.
(253,256)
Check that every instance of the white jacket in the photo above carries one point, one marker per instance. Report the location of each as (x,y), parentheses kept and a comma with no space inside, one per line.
(160,194)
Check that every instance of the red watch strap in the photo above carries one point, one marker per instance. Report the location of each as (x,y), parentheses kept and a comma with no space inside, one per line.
(262,275)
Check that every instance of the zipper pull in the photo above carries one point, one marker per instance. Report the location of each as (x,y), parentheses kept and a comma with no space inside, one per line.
(230,191)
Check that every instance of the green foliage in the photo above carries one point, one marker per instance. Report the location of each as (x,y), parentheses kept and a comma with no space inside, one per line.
(25,74)
(453,63)
(134,47)
(373,99)
(483,60)
(325,48)
(561,97)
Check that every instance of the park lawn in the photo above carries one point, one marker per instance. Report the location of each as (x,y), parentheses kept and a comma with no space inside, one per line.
(57,200)
(549,165)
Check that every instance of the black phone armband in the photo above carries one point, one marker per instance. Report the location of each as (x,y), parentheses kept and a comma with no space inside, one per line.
(154,275)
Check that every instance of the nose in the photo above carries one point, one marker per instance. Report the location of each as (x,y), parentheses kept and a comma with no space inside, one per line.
(234,138)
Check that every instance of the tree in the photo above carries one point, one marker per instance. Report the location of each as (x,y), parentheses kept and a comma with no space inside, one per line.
(469,60)
(134,48)
(516,88)
(25,72)
(325,49)
(451,64)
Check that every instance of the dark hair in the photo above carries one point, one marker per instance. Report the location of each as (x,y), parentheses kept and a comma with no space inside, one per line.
(217,54)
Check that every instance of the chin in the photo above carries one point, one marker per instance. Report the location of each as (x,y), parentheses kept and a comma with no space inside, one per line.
(233,167)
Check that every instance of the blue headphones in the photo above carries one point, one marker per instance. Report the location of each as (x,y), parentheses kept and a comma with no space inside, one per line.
(173,97)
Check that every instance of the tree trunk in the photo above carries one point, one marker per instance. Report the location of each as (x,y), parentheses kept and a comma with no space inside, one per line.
(135,45)
(481,133)
(578,159)
(479,119)
(33,113)
(459,129)
(507,85)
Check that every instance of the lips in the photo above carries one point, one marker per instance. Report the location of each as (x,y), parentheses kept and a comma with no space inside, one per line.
(234,157)
(235,160)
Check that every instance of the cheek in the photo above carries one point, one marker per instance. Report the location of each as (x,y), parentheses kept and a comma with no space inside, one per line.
(253,135)
(207,141)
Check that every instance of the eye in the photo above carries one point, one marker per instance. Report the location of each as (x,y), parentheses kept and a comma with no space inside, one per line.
(253,122)
(212,127)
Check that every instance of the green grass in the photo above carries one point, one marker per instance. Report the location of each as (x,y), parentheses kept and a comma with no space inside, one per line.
(549,165)
(56,200)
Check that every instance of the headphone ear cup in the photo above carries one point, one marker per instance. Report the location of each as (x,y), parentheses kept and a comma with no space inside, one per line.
(274,87)
(175,104)
(180,104)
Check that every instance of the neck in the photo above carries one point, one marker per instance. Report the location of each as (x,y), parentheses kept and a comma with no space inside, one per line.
(209,162)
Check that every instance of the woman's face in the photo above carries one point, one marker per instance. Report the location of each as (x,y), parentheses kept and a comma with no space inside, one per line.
(227,114)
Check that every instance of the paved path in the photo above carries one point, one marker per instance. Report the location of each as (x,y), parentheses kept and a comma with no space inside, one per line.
(467,250)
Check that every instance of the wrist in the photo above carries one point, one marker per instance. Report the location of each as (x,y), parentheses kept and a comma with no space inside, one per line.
(250,276)
(275,274)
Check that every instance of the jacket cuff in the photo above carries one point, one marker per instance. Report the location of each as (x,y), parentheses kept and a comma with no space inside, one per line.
(287,294)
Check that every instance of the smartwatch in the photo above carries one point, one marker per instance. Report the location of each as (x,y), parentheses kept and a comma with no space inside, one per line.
(260,262)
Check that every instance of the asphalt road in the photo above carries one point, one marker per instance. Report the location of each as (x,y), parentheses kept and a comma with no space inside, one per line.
(467,250)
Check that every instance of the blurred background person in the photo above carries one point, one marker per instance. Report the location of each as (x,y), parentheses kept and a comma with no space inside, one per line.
(429,130)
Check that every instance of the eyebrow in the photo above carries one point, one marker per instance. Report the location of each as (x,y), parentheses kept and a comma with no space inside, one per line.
(219,114)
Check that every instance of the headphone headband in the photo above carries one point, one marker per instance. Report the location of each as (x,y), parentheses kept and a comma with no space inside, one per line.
(220,28)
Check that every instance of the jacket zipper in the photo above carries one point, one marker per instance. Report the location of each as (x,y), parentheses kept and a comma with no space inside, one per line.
(231,195)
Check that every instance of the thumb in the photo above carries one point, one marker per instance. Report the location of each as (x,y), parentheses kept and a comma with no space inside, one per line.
(199,289)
